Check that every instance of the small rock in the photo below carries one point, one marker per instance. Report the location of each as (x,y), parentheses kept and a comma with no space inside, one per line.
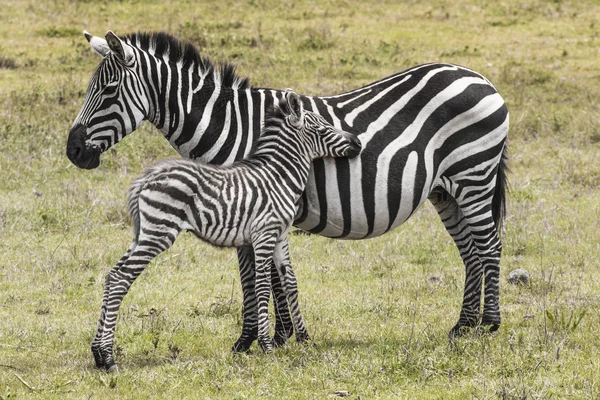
(434,279)
(518,276)
(342,393)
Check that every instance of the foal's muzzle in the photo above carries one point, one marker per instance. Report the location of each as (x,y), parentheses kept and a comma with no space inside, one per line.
(355,147)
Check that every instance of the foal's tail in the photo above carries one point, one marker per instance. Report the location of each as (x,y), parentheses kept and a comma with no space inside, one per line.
(499,200)
(151,174)
(133,204)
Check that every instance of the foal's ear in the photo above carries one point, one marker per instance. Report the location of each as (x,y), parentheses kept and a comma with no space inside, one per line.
(97,44)
(294,102)
(122,50)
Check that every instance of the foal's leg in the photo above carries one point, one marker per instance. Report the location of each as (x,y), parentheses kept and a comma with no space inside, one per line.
(283,322)
(120,280)
(281,259)
(98,357)
(284,328)
(264,245)
(247,276)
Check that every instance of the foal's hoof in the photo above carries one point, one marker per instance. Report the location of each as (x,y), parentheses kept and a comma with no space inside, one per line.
(266,345)
(460,330)
(111,368)
(280,340)
(306,341)
(98,358)
(303,337)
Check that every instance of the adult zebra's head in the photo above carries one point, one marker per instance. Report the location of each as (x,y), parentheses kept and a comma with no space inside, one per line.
(115,103)
(322,139)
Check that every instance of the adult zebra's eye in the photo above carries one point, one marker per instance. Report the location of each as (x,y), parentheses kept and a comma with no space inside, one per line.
(111,88)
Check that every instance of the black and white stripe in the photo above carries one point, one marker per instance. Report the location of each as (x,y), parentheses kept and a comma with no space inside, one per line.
(250,204)
(435,131)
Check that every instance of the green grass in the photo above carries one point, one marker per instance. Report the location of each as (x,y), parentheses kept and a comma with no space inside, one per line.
(379,310)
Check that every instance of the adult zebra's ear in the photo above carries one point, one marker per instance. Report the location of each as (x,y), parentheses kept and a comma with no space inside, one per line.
(295,104)
(97,44)
(122,50)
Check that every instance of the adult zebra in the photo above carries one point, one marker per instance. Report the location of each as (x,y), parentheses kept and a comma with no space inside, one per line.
(435,131)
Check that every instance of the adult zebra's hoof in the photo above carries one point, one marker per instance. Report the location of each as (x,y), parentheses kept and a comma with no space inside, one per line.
(457,332)
(461,329)
(489,327)
(242,345)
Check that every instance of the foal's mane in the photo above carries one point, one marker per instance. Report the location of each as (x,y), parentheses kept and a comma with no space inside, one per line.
(162,44)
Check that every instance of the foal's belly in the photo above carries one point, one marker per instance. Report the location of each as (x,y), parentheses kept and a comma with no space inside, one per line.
(222,235)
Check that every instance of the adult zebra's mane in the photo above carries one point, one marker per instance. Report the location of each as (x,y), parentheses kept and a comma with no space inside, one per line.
(274,119)
(161,44)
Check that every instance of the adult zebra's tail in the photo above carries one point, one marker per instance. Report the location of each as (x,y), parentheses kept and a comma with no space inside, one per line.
(499,200)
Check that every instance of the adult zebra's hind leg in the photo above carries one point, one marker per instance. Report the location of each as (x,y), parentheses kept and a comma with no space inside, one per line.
(457,226)
(467,216)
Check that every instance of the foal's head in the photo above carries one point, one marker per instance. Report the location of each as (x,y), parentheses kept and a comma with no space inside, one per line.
(319,136)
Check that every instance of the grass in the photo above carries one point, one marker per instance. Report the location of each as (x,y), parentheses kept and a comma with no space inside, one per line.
(379,310)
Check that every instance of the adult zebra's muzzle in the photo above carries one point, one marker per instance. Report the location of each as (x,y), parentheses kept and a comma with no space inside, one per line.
(79,152)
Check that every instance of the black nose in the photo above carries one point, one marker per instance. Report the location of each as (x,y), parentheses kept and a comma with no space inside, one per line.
(76,143)
(78,152)
(355,148)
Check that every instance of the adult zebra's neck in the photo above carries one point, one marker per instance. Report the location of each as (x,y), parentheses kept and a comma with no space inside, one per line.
(204,119)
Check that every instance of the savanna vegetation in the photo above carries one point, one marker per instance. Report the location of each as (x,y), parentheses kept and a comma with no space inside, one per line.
(379,310)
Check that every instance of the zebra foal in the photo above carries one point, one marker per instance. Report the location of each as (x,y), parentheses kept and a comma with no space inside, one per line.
(251,203)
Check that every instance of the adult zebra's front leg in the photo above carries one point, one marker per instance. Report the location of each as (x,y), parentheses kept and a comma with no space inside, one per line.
(283,325)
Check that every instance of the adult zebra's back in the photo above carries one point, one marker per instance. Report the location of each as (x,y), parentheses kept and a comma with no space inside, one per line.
(435,131)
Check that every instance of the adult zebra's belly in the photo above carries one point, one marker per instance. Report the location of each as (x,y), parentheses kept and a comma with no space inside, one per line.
(362,197)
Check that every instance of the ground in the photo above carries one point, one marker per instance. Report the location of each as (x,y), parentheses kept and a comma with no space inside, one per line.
(379,310)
